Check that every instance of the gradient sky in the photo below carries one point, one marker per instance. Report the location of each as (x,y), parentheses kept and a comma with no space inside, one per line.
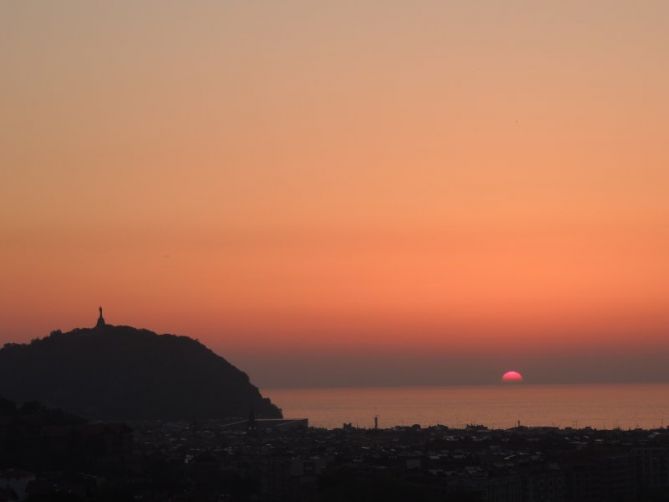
(344,193)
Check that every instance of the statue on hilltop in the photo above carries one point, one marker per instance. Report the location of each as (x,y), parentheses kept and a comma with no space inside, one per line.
(101,320)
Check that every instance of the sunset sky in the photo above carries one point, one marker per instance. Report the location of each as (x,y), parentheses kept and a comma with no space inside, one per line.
(368,192)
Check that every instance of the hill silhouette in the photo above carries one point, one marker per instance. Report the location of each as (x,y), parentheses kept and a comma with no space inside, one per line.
(121,372)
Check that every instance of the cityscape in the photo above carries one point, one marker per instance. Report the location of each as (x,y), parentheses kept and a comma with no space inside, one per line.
(345,251)
(53,457)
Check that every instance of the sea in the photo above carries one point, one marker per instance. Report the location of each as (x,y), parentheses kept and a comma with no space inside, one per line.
(495,406)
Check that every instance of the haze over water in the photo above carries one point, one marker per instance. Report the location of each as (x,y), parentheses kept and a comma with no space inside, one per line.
(496,406)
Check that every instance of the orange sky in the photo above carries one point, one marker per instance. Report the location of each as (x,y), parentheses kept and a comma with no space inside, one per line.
(401,180)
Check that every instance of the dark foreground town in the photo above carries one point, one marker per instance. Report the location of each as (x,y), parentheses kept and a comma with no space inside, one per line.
(49,455)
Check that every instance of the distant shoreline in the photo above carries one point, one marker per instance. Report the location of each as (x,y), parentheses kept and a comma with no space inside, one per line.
(600,406)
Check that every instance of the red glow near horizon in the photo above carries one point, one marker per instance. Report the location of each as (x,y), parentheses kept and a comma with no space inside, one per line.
(512,377)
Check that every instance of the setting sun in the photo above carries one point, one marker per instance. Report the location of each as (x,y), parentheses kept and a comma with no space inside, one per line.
(512,377)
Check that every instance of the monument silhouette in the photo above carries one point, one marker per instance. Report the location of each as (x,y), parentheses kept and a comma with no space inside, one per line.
(101,320)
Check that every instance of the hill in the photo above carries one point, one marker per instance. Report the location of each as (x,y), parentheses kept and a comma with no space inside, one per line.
(120,372)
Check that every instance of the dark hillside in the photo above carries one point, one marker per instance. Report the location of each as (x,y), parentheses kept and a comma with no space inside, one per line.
(120,372)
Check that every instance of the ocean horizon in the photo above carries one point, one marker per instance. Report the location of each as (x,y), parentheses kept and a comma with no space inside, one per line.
(600,406)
